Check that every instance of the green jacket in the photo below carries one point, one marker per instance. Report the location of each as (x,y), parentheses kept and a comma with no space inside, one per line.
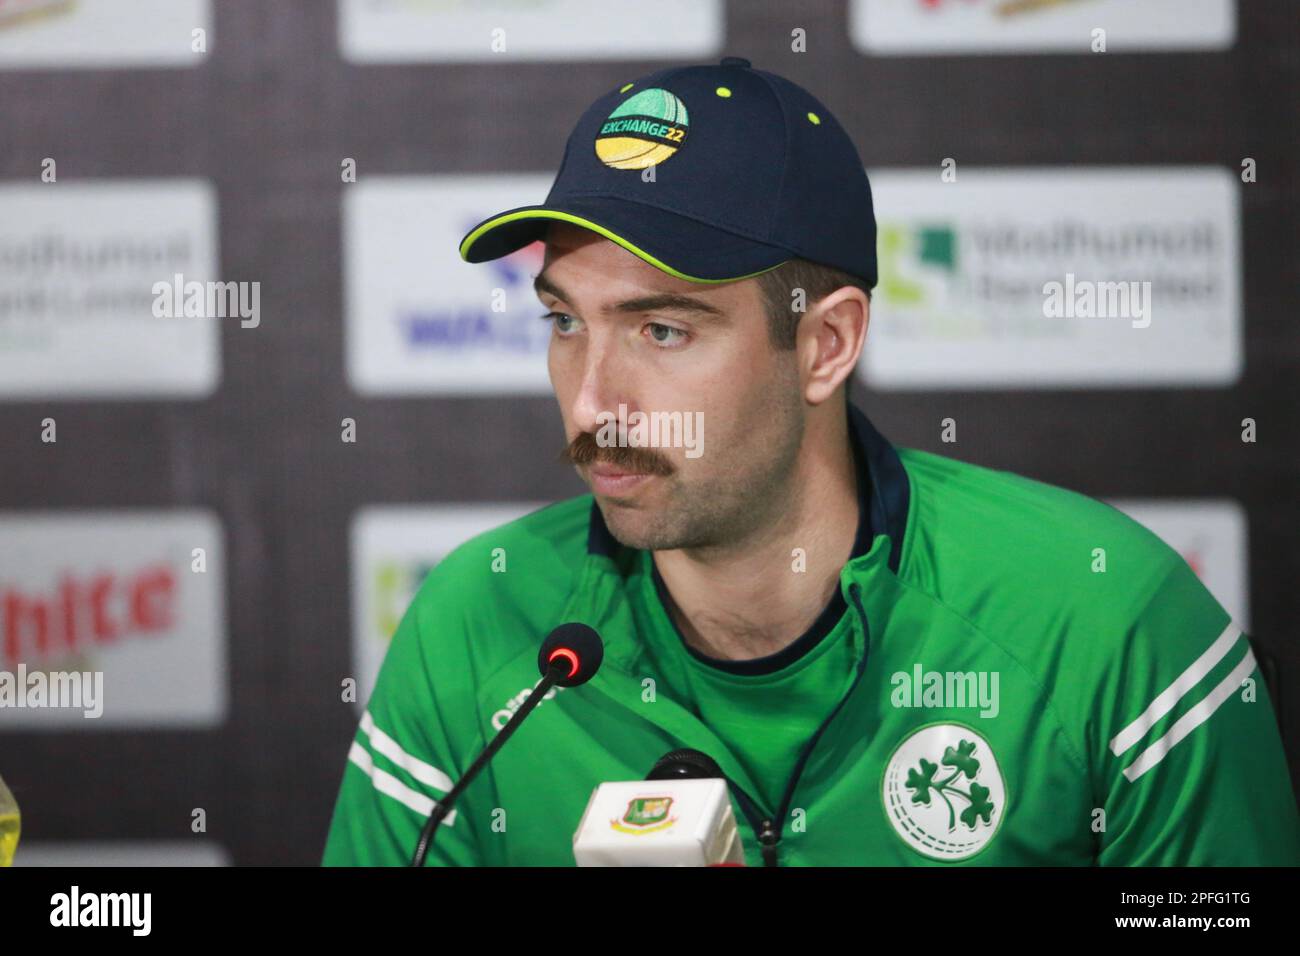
(1030,678)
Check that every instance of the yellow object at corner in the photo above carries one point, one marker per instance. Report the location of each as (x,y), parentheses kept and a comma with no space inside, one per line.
(9,825)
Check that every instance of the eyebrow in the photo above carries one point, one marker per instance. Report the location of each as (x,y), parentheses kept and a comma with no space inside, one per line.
(656,302)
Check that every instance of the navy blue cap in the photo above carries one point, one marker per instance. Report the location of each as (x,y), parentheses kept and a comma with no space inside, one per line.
(749,170)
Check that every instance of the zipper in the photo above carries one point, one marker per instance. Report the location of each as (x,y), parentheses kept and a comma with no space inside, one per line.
(768,827)
(768,833)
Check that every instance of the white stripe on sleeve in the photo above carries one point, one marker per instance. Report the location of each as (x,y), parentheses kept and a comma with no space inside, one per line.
(1185,724)
(387,784)
(1175,692)
(417,768)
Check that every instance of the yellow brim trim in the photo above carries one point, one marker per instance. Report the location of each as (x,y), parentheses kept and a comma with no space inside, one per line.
(594,227)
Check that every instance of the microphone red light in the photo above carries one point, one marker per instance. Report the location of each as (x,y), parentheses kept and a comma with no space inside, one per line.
(569,655)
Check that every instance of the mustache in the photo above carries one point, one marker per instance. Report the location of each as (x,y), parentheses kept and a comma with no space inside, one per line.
(584,450)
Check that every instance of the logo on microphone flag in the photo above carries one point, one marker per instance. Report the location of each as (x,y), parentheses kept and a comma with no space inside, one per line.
(645,815)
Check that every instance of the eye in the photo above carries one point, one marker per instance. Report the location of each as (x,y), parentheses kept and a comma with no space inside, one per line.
(666,335)
(562,322)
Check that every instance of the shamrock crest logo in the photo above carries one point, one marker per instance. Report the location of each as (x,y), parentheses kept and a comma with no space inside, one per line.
(943,792)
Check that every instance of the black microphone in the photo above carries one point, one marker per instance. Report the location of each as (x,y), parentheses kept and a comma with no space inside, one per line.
(685,764)
(570,655)
(576,646)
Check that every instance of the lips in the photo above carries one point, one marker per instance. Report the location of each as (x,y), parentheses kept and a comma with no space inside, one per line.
(609,479)
(606,470)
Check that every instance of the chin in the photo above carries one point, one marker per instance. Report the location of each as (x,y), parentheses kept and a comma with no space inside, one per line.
(636,528)
(631,534)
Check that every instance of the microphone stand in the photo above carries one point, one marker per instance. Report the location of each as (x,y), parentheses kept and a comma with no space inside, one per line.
(441,808)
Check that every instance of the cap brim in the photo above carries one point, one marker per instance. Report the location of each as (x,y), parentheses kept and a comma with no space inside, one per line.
(679,246)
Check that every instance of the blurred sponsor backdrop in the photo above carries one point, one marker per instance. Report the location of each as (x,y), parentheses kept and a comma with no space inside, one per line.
(226,516)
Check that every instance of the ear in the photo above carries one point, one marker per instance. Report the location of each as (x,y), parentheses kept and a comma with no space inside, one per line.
(830,339)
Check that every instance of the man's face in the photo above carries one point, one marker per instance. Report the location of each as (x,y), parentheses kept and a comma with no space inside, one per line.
(625,333)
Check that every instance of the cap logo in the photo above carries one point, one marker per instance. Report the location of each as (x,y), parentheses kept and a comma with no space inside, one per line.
(644,130)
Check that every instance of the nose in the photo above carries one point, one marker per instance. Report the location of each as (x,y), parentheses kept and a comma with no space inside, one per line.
(601,389)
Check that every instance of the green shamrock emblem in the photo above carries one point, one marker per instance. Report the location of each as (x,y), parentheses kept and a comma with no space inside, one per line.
(961,759)
(921,780)
(980,806)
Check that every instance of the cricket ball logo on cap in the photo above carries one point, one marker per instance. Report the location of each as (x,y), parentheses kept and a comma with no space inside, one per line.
(645,129)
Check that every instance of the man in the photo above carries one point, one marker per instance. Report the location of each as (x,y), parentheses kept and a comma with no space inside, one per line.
(895,658)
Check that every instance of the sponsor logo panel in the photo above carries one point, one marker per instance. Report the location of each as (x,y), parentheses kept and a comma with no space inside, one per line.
(94,34)
(79,263)
(112,619)
(396,31)
(419,319)
(909,27)
(1049,277)
(122,853)
(394,547)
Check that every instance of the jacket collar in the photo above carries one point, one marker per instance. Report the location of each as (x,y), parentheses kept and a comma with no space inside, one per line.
(625,681)
(890,491)
(889,494)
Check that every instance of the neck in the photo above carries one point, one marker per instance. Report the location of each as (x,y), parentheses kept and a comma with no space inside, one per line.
(752,599)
